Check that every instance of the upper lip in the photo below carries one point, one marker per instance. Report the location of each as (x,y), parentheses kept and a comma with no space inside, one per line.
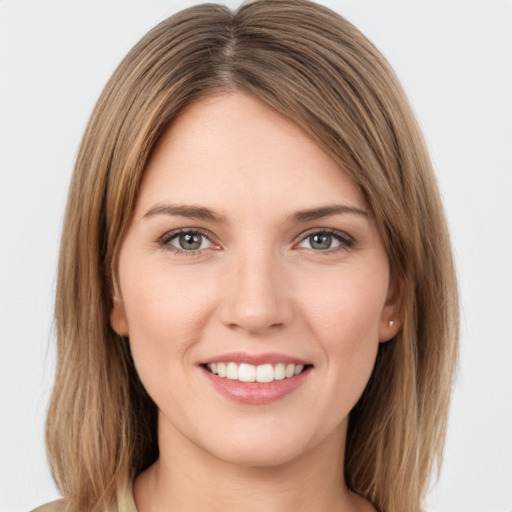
(255,359)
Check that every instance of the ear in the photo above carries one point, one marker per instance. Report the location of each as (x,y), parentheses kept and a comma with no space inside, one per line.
(391,318)
(118,320)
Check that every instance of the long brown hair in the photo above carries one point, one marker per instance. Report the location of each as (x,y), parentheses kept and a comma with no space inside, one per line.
(317,69)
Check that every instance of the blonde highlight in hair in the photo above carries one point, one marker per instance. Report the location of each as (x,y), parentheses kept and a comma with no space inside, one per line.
(318,70)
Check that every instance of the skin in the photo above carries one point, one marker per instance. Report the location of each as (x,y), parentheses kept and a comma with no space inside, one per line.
(257,285)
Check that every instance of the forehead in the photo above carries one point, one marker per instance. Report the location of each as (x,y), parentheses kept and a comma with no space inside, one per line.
(233,149)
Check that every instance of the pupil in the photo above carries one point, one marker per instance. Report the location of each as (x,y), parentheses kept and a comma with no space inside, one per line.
(321,242)
(190,242)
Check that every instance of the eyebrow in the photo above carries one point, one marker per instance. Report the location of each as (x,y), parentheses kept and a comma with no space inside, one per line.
(202,213)
(190,211)
(326,211)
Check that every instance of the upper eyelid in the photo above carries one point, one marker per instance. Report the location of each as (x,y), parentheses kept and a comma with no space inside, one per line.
(300,238)
(164,242)
(331,231)
(173,232)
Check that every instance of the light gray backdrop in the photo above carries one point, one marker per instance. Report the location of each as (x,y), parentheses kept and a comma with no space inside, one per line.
(455,60)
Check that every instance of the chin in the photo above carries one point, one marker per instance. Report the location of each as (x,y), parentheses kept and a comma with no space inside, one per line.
(257,455)
(263,448)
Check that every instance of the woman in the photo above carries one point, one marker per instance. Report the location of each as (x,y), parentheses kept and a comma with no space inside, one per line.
(256,303)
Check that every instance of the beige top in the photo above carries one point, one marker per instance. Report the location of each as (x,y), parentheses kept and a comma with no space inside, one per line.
(125,503)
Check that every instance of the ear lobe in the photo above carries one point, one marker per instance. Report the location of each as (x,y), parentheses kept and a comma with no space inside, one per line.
(389,329)
(118,320)
(391,318)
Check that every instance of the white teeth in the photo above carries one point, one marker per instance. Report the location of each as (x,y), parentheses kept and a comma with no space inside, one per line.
(221,369)
(249,373)
(265,373)
(232,371)
(246,373)
(280,371)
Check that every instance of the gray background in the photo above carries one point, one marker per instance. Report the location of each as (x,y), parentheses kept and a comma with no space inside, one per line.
(455,61)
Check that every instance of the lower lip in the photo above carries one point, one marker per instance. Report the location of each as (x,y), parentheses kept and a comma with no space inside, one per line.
(256,393)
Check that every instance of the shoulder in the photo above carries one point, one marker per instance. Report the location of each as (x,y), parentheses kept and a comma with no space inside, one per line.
(125,502)
(54,506)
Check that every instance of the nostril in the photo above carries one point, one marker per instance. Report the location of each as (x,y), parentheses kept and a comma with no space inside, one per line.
(254,327)
(256,308)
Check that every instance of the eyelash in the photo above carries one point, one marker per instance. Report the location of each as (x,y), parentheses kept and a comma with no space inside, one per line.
(345,241)
(164,241)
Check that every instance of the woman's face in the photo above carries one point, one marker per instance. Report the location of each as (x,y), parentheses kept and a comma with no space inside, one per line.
(251,254)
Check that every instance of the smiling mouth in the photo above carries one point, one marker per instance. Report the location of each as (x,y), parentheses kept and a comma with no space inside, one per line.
(262,373)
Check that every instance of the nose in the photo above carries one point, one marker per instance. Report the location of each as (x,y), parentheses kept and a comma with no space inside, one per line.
(256,295)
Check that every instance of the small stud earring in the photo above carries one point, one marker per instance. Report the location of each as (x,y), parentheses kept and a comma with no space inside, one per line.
(391,323)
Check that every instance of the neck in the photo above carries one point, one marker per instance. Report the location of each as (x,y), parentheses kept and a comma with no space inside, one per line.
(187,478)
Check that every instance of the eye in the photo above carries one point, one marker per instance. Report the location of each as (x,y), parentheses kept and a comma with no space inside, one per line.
(326,241)
(186,241)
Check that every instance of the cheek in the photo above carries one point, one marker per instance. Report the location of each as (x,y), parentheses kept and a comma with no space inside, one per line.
(166,312)
(349,304)
(345,318)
